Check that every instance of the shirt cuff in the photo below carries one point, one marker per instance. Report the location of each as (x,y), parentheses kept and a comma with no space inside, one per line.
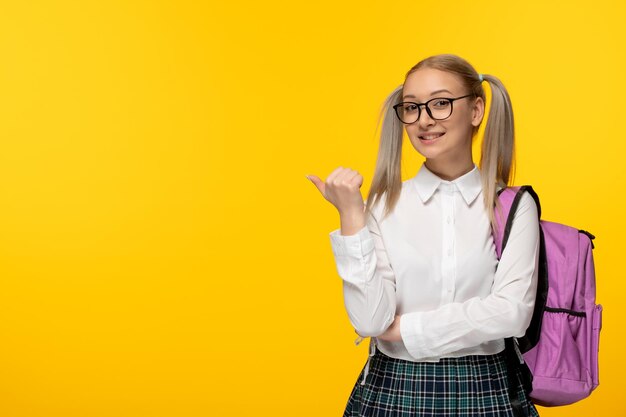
(357,245)
(412,333)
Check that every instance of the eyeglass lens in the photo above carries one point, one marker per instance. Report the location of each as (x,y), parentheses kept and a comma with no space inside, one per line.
(439,109)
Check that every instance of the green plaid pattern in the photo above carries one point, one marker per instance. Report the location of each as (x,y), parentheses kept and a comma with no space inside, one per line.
(469,386)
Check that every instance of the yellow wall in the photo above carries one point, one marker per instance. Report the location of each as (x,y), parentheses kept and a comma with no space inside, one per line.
(161,251)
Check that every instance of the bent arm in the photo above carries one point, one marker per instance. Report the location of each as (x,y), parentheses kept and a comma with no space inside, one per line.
(369,285)
(505,312)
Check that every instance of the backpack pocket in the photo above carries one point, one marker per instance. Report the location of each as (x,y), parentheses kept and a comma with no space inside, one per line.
(597,325)
(564,363)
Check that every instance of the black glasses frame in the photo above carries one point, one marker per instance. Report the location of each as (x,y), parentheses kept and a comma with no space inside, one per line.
(419,107)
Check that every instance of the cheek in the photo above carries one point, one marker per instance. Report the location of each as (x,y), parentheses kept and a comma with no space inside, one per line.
(461,126)
(411,133)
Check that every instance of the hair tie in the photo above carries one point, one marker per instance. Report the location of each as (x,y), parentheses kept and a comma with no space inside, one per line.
(480,77)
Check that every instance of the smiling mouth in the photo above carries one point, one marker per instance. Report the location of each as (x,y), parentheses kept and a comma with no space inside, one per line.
(431,136)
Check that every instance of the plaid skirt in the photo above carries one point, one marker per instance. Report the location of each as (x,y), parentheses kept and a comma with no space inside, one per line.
(468,386)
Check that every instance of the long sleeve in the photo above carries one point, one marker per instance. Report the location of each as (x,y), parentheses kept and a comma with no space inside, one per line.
(369,285)
(505,312)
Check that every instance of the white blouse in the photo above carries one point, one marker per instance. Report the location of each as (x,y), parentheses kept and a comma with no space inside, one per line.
(433,261)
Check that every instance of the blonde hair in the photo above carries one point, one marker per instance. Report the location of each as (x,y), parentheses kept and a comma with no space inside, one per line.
(497,152)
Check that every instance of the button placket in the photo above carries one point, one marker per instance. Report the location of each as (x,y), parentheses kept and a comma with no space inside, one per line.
(447,260)
(451,279)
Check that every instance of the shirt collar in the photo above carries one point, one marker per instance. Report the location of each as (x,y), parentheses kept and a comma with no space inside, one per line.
(469,184)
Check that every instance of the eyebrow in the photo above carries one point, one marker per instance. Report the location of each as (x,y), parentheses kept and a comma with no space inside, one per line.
(432,94)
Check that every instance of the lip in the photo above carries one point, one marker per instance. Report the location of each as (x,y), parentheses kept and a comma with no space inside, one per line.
(428,141)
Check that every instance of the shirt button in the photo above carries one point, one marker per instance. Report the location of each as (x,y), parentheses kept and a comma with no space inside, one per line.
(449,220)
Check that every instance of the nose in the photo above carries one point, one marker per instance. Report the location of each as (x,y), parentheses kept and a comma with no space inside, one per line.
(424,118)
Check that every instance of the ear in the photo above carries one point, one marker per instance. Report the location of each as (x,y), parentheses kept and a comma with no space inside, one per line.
(478,111)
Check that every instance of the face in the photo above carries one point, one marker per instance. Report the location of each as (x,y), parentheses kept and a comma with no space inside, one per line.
(442,141)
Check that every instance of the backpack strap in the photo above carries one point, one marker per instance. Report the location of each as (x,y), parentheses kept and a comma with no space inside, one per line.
(509,199)
(515,362)
(503,219)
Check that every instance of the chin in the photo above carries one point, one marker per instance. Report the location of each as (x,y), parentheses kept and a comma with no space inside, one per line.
(429,153)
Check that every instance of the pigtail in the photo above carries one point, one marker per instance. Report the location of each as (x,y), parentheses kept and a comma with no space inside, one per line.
(498,147)
(387,174)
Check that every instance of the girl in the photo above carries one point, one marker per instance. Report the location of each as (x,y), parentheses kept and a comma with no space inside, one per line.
(417,259)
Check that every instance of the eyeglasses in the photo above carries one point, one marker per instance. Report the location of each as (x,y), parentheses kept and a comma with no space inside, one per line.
(438,108)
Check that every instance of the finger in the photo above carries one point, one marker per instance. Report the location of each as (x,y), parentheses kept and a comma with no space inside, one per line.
(343,177)
(354,178)
(318,183)
(333,175)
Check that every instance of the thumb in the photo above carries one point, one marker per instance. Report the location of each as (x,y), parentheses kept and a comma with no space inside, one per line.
(318,183)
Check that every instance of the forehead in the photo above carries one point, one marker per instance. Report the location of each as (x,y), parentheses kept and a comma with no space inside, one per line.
(423,83)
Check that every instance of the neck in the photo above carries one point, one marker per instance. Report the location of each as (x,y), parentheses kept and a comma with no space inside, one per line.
(449,171)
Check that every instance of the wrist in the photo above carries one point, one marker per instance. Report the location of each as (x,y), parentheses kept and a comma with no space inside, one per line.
(351,222)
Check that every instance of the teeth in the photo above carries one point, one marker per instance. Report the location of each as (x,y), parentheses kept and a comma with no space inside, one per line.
(428,137)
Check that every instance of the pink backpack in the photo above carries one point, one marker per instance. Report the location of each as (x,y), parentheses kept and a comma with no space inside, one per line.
(558,354)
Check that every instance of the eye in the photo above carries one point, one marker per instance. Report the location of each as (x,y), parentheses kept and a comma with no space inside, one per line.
(441,103)
(409,107)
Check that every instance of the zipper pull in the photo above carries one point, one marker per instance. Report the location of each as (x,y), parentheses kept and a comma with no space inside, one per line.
(358,340)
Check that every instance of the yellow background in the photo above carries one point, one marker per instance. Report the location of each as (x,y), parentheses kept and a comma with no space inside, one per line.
(161,251)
